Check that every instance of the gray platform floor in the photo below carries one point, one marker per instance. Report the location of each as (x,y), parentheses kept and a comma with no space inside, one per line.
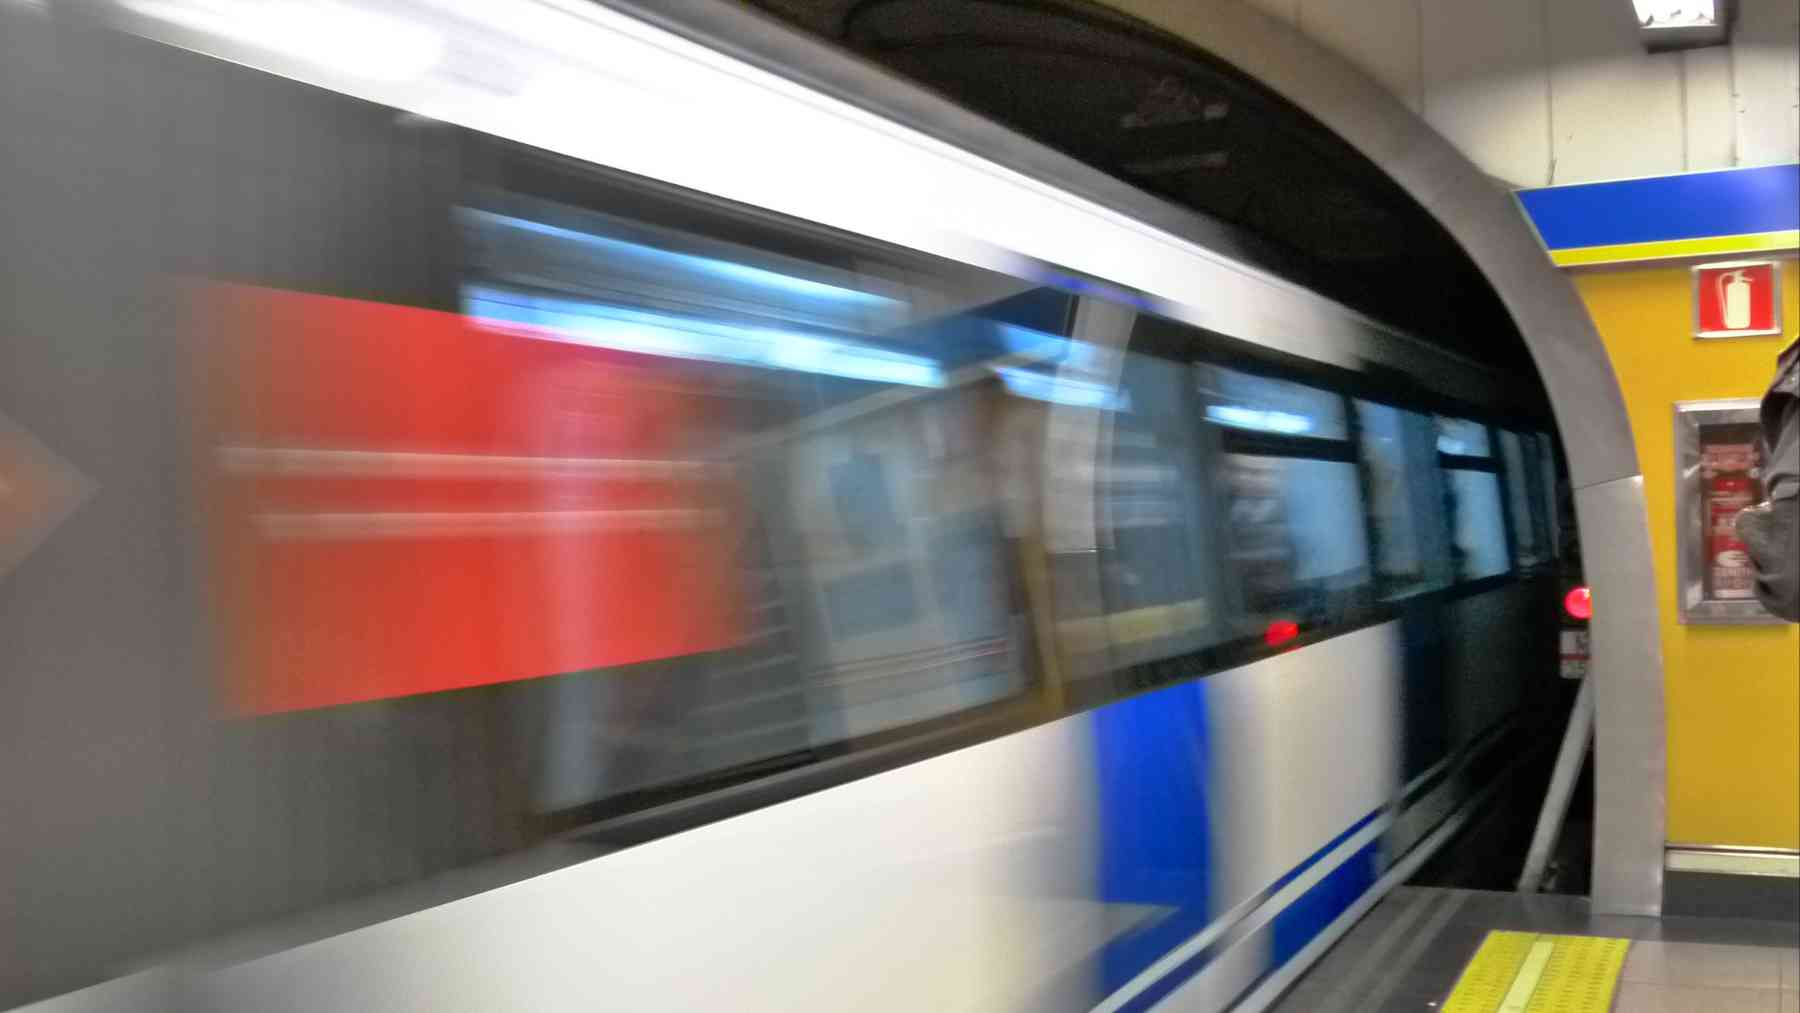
(1407,952)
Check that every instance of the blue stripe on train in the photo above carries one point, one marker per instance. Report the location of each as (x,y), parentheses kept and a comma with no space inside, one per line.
(1297,924)
(1152,757)
(1327,848)
(1318,907)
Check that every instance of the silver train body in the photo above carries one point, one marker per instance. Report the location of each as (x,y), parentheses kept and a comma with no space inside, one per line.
(1125,619)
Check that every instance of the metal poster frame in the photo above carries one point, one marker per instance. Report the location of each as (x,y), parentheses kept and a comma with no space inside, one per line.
(1692,604)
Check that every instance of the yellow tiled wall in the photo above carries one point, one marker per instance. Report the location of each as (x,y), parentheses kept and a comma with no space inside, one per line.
(1733,692)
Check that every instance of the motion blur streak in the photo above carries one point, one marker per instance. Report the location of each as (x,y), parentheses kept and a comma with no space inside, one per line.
(506,507)
(472,524)
(407,464)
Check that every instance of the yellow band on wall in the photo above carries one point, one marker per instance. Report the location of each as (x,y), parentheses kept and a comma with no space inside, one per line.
(1664,249)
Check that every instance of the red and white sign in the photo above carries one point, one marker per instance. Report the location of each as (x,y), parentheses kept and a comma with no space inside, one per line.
(1574,654)
(1737,299)
(402,501)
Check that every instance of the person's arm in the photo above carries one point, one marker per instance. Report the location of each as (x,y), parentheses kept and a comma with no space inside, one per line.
(1771,529)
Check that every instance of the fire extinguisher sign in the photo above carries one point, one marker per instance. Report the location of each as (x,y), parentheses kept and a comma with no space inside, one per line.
(1737,299)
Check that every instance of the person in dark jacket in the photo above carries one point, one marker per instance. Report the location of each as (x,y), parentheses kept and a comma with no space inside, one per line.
(1770,530)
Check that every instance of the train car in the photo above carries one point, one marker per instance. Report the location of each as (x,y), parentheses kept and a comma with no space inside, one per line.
(572,518)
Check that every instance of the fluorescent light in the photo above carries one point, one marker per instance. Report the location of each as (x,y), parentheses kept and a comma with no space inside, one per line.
(1676,13)
(362,43)
(1682,24)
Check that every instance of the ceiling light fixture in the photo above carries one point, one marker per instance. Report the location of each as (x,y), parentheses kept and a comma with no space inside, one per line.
(1665,25)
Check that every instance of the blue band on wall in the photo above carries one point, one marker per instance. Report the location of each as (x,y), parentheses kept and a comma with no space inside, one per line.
(1668,215)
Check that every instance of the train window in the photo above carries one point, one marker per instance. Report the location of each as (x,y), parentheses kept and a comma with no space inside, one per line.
(1406,500)
(871,416)
(1523,476)
(1477,513)
(1293,537)
(1156,576)
(1478,524)
(1547,493)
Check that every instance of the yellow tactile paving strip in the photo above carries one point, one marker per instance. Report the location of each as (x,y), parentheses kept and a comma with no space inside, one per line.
(1530,972)
(1489,976)
(1582,976)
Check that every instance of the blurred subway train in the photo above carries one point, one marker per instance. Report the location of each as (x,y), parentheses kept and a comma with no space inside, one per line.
(516,507)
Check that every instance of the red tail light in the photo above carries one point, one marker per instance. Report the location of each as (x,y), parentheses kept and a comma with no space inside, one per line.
(1579,603)
(1280,632)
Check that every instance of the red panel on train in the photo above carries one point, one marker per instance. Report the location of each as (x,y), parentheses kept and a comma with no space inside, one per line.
(404,501)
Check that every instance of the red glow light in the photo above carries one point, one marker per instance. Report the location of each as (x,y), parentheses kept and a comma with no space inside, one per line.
(1281,631)
(1579,603)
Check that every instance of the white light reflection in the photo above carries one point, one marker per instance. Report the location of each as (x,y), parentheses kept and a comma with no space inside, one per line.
(1018,340)
(372,46)
(1260,419)
(1059,390)
(649,333)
